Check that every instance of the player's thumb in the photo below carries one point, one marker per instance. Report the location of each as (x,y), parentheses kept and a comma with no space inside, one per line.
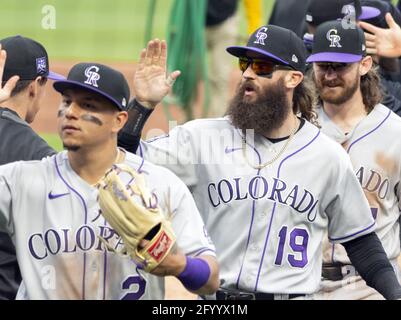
(10,85)
(175,74)
(173,77)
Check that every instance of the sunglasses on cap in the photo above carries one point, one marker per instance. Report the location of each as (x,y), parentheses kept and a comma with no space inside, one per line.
(263,68)
(335,66)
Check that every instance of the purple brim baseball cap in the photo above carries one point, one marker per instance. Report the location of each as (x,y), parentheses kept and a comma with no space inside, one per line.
(241,51)
(369,13)
(280,45)
(55,76)
(98,78)
(334,57)
(63,85)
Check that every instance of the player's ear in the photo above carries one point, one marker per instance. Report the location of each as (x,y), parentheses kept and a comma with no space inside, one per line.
(33,89)
(36,86)
(365,65)
(293,78)
(120,120)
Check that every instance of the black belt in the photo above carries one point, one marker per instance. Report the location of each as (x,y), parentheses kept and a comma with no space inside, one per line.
(338,272)
(240,295)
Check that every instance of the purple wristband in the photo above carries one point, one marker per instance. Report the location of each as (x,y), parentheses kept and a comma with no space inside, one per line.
(195,274)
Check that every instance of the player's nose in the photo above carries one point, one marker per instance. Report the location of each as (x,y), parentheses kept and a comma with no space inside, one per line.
(249,73)
(330,74)
(72,111)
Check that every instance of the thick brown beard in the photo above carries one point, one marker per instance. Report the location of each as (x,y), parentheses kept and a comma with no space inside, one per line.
(346,95)
(266,114)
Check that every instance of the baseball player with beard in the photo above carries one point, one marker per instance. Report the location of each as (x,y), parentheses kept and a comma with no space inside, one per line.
(248,171)
(350,113)
(50,207)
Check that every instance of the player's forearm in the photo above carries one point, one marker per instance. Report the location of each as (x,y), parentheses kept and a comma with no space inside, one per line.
(129,137)
(370,260)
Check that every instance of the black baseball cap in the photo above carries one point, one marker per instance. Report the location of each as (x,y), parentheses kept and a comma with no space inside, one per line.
(27,59)
(320,11)
(378,10)
(276,43)
(97,78)
(334,43)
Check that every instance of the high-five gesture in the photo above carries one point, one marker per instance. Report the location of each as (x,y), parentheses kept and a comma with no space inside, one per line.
(151,83)
(5,91)
(383,42)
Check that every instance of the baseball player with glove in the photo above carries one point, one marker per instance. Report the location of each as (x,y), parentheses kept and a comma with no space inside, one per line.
(265,210)
(94,221)
(351,114)
(26,71)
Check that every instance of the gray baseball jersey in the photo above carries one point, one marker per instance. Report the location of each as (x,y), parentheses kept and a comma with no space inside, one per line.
(53,217)
(375,152)
(267,223)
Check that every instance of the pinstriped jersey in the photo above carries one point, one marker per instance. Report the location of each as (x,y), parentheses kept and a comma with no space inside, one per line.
(375,151)
(267,222)
(54,220)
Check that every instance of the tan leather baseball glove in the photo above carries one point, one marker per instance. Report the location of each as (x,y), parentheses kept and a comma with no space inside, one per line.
(132,211)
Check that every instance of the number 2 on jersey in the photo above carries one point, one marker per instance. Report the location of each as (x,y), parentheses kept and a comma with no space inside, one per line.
(140,284)
(300,247)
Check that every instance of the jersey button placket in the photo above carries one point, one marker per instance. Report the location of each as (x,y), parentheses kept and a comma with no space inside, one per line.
(254,247)
(94,266)
(248,280)
(263,215)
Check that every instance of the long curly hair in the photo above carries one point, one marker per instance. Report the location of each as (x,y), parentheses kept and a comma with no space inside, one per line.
(371,90)
(304,101)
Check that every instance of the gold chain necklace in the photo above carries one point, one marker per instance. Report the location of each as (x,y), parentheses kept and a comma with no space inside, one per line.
(261,166)
(120,156)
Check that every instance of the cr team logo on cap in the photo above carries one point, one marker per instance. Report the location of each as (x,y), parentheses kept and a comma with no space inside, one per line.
(41,65)
(334,38)
(261,35)
(92,75)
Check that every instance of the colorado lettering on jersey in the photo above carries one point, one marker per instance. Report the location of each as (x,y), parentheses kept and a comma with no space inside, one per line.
(85,238)
(373,181)
(301,200)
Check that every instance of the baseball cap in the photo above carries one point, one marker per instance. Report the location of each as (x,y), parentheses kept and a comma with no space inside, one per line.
(276,43)
(99,79)
(334,43)
(27,59)
(320,11)
(378,10)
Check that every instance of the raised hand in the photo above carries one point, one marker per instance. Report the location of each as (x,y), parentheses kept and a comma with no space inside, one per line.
(5,91)
(151,83)
(383,42)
